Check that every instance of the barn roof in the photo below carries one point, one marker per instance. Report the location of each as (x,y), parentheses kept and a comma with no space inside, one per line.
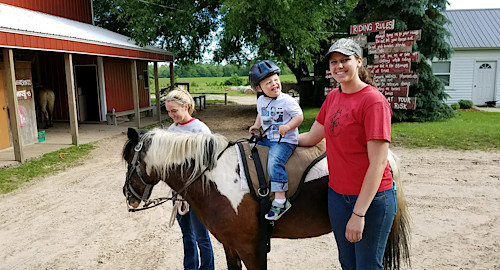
(473,28)
(23,28)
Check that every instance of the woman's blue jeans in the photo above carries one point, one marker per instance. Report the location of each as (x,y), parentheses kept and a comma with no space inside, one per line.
(276,159)
(195,236)
(369,252)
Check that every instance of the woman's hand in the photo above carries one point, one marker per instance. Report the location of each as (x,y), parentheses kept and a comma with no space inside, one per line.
(354,228)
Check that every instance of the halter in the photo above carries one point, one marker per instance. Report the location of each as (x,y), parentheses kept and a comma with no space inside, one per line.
(135,166)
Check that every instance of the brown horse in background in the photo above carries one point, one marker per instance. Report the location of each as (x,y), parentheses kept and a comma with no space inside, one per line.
(204,169)
(46,100)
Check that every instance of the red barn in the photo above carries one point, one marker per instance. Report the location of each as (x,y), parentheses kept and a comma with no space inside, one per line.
(93,72)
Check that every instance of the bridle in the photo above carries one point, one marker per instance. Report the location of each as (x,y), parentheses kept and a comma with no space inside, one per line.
(135,166)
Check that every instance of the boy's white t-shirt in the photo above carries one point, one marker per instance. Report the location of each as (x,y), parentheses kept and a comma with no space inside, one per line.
(279,111)
(192,126)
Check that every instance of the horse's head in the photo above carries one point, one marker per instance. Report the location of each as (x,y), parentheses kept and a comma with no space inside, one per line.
(176,158)
(139,183)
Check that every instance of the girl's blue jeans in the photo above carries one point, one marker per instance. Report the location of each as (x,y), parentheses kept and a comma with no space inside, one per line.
(369,252)
(195,236)
(276,159)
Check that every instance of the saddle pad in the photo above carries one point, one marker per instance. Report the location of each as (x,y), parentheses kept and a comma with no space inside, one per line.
(296,165)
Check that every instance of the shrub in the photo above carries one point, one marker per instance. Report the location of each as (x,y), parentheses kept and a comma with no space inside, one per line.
(455,106)
(234,80)
(465,104)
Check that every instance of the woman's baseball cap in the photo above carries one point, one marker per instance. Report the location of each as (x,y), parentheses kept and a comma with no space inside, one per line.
(345,46)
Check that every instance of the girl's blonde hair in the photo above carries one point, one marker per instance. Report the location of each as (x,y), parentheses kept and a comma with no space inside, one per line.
(182,97)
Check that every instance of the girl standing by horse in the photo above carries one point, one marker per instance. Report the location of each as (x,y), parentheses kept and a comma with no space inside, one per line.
(180,106)
(355,119)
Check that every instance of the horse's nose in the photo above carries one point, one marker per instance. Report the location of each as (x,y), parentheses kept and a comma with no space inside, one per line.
(133,204)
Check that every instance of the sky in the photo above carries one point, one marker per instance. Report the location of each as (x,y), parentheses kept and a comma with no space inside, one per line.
(472,4)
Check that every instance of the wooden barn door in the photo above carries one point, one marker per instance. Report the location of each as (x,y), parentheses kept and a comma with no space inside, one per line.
(4,124)
(88,92)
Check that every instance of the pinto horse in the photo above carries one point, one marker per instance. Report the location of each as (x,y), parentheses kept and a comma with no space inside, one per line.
(46,100)
(204,169)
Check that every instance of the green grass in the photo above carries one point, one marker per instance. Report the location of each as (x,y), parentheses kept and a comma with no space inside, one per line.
(210,84)
(467,131)
(12,178)
(309,118)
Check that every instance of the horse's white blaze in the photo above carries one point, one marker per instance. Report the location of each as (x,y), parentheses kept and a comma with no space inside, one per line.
(228,180)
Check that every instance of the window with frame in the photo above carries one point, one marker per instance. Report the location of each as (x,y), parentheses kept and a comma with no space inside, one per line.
(442,71)
(146,79)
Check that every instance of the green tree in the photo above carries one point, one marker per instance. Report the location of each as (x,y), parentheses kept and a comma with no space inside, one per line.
(412,15)
(293,32)
(183,27)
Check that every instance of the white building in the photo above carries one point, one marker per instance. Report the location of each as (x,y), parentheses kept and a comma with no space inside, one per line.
(473,72)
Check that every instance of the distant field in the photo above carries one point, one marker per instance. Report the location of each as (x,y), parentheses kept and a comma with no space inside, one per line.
(210,84)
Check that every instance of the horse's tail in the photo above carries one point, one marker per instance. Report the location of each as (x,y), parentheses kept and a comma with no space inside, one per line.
(398,245)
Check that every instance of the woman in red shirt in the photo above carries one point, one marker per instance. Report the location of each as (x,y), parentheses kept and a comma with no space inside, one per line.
(355,119)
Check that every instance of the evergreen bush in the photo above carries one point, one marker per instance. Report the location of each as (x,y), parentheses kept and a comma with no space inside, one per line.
(455,106)
(465,104)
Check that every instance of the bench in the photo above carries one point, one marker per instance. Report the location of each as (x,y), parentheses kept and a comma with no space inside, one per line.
(214,93)
(111,116)
(200,100)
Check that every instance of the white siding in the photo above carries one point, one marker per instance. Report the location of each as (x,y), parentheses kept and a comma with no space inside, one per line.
(462,73)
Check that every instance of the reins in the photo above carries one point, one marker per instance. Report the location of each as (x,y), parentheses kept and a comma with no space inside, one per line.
(150,203)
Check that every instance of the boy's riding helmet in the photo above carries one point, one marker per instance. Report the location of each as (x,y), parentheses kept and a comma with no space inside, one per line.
(262,70)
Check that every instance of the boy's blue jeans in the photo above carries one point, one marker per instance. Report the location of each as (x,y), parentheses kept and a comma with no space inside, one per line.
(369,252)
(276,159)
(194,236)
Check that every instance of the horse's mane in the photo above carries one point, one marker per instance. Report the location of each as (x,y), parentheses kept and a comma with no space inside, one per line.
(194,151)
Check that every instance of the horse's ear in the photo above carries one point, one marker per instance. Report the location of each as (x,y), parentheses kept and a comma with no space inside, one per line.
(133,136)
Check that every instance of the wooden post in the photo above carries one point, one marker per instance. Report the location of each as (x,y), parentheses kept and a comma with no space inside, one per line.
(157,92)
(70,87)
(10,88)
(102,87)
(135,92)
(172,75)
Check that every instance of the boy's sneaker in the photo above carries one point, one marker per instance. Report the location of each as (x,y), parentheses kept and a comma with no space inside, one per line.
(277,210)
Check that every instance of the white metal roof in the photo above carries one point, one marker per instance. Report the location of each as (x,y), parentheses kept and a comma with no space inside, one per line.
(473,28)
(24,21)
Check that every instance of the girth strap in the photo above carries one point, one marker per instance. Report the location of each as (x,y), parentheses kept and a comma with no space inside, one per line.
(265,227)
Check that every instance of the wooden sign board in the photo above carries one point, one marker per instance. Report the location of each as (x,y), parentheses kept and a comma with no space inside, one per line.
(401,67)
(395,57)
(362,40)
(374,48)
(402,79)
(372,27)
(398,37)
(399,91)
(328,90)
(402,103)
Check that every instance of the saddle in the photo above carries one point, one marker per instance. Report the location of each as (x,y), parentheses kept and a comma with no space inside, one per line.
(297,166)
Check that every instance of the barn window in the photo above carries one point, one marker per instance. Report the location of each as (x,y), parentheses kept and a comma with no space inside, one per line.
(146,79)
(485,66)
(442,71)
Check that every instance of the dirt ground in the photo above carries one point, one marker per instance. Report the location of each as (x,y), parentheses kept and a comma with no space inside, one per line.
(77,219)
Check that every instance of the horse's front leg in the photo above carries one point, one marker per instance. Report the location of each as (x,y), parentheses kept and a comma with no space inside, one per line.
(232,258)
